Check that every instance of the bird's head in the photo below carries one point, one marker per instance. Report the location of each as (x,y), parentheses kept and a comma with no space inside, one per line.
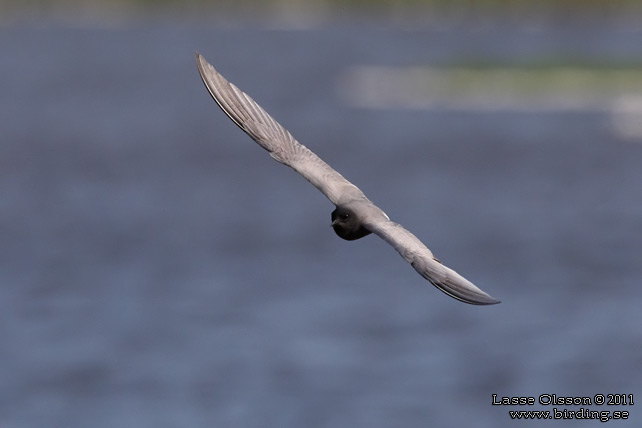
(347,225)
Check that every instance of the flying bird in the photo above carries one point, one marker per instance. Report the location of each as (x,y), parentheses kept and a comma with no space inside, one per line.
(355,216)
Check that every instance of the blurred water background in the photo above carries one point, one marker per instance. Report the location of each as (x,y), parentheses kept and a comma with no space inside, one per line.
(158,269)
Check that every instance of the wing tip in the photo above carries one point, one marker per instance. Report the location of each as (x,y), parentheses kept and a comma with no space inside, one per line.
(454,285)
(468,295)
(458,287)
(202,64)
(199,59)
(484,301)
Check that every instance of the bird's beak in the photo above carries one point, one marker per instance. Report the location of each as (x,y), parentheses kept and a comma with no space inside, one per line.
(333,223)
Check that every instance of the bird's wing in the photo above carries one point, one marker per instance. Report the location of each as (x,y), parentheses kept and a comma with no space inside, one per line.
(274,138)
(428,266)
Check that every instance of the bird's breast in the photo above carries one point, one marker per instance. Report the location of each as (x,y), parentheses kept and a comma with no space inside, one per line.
(350,234)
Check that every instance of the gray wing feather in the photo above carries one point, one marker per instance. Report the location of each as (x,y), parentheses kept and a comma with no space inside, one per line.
(274,138)
(428,266)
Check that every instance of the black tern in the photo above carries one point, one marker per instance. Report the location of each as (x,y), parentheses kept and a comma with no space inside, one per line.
(355,216)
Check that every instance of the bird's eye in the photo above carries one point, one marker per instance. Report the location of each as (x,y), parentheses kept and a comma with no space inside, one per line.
(345,216)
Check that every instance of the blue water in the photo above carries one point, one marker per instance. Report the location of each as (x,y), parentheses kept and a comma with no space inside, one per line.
(158,269)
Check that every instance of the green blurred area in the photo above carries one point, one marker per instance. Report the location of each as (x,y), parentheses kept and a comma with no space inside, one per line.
(552,4)
(416,10)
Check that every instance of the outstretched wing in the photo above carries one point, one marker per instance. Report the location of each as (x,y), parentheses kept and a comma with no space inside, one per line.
(428,266)
(274,138)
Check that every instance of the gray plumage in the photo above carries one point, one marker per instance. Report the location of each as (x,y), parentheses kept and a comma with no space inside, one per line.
(355,215)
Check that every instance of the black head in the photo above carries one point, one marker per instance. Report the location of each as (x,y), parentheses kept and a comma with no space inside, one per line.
(347,225)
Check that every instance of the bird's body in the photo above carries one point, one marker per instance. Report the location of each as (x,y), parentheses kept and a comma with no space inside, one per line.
(355,215)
